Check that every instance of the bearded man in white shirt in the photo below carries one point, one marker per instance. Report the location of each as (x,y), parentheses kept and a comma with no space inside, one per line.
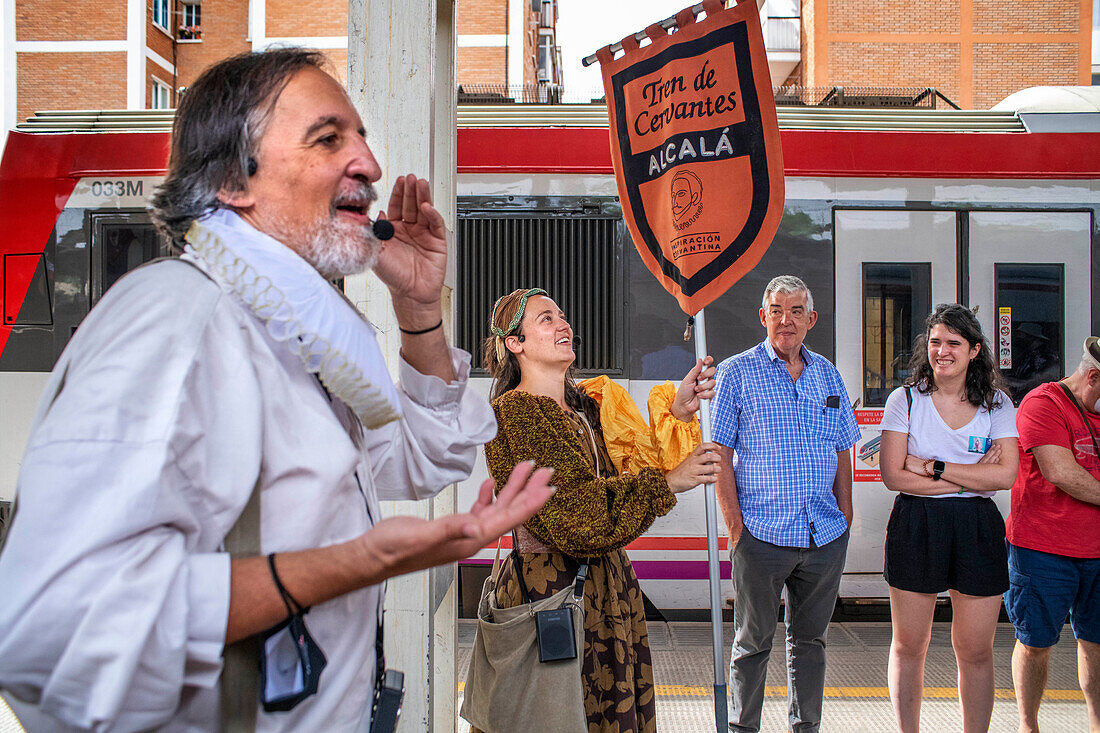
(236,384)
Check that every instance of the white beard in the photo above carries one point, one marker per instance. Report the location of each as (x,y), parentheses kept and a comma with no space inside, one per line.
(340,248)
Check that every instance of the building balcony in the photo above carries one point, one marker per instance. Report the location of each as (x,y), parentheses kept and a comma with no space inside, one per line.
(547,14)
(783,34)
(783,42)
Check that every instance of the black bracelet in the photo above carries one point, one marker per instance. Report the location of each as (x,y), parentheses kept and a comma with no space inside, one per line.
(287,598)
(423,330)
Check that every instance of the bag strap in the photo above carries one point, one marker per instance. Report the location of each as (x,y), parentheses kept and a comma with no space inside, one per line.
(496,561)
(1077,403)
(518,564)
(909,400)
(578,582)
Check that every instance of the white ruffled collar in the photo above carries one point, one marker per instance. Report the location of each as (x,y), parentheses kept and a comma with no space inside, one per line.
(300,309)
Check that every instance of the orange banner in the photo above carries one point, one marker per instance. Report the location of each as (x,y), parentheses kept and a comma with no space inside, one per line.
(695,146)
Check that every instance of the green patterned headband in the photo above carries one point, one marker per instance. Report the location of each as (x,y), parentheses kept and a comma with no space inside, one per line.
(519,312)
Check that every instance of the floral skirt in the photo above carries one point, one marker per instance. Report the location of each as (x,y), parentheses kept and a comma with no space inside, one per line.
(617,669)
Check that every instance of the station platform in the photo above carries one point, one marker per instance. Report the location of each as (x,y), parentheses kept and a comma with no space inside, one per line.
(856,696)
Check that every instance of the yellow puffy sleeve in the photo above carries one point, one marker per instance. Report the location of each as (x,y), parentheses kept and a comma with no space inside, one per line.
(631,443)
(628,439)
(674,439)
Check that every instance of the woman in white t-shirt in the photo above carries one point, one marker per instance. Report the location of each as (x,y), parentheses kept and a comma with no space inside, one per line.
(946,453)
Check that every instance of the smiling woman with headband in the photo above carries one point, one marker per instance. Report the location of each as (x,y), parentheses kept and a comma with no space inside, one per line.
(597,510)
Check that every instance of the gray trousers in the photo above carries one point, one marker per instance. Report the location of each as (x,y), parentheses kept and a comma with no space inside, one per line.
(812,579)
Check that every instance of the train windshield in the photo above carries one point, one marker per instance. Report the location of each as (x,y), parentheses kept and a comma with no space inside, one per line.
(123,245)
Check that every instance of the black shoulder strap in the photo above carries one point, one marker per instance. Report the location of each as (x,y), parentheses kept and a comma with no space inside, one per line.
(524,595)
(909,400)
(1076,403)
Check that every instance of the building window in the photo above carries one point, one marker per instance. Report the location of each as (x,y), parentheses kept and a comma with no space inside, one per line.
(162,95)
(160,13)
(190,21)
(192,14)
(546,58)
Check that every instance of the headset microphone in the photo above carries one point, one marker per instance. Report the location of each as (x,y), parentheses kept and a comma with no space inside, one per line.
(382,229)
(576,341)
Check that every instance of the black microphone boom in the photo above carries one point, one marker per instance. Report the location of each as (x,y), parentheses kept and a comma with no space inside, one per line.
(382,229)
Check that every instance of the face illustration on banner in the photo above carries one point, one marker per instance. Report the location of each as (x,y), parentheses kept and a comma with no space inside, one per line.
(687,198)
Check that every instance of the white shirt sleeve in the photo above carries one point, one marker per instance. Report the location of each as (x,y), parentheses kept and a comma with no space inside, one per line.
(436,442)
(1002,420)
(895,416)
(115,596)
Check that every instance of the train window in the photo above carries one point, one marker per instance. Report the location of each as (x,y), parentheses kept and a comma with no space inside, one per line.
(575,259)
(26,291)
(1029,302)
(896,297)
(121,243)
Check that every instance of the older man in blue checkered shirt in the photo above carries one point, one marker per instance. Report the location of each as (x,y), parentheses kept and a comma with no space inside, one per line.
(784,412)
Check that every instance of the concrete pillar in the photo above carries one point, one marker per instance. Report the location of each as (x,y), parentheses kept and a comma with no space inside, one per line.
(401,78)
(257,24)
(517,14)
(136,23)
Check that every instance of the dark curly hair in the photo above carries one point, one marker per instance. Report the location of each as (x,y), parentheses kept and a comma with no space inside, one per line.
(503,366)
(983,379)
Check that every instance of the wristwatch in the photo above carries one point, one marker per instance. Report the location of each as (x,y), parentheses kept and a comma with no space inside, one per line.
(937,470)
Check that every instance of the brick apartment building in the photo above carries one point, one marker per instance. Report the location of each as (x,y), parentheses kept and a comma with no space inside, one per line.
(98,54)
(976,52)
(138,54)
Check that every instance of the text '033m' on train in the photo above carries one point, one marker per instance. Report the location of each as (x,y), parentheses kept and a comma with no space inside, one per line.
(888,212)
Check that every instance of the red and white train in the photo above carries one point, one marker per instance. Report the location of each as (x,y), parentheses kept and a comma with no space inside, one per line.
(888,212)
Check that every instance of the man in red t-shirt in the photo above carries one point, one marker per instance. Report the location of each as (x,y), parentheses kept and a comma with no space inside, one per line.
(1054,535)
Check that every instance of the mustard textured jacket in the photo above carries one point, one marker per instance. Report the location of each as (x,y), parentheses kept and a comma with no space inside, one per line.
(589,515)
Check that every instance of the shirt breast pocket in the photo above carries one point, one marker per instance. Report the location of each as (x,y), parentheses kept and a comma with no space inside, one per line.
(824,420)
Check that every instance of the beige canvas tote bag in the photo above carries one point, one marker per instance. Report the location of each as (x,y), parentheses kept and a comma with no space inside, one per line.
(507,688)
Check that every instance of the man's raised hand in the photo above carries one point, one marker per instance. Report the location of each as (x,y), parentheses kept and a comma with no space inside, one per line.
(412,264)
(403,544)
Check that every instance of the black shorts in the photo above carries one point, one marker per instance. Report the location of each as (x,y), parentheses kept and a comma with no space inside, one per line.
(957,543)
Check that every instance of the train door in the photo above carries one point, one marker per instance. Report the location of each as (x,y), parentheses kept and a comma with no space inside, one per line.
(891,267)
(1030,276)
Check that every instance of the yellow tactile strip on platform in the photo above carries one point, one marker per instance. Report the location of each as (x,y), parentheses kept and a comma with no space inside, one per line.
(949,693)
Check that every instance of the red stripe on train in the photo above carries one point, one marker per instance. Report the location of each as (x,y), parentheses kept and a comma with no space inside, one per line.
(809,153)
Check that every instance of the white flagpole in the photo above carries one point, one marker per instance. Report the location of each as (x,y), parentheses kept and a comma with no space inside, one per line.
(721,717)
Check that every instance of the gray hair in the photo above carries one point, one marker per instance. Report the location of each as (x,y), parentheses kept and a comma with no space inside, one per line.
(217,130)
(787,284)
(1089,360)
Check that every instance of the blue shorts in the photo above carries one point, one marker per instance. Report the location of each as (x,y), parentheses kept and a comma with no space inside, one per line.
(1043,588)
